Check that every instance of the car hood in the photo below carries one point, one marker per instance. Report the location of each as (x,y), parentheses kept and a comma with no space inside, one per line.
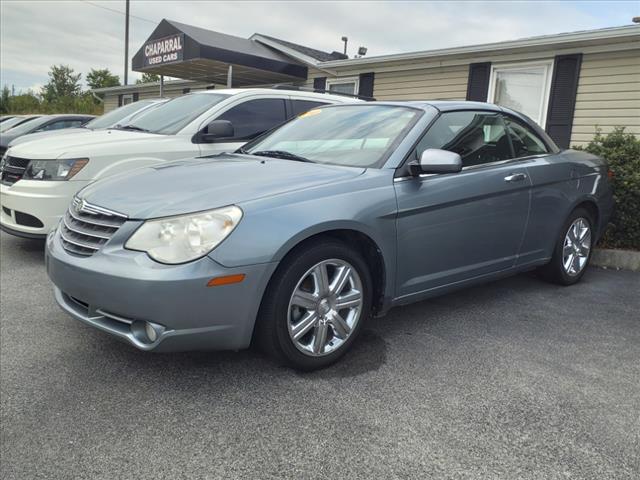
(53,133)
(199,184)
(80,144)
(6,138)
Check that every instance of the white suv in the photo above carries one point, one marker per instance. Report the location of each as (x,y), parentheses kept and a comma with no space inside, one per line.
(39,178)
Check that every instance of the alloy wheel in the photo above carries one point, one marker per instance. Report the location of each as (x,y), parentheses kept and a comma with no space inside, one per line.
(576,248)
(325,307)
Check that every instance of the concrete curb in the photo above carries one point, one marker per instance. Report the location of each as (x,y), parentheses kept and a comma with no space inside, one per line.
(621,259)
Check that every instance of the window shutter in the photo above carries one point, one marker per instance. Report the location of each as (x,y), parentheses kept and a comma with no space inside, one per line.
(478,83)
(562,99)
(366,84)
(320,83)
(136,95)
(120,100)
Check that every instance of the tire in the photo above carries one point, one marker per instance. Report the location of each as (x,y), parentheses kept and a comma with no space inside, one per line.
(282,316)
(556,270)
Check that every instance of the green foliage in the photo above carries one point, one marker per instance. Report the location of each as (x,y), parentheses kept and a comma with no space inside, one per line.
(100,78)
(62,94)
(63,82)
(148,78)
(31,103)
(622,152)
(24,103)
(4,99)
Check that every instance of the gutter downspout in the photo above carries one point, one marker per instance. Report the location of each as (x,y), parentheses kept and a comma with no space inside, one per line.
(101,100)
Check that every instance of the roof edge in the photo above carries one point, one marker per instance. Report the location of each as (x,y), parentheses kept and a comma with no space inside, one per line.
(134,86)
(543,40)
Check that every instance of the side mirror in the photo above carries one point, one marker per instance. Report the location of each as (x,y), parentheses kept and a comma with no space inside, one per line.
(434,160)
(217,129)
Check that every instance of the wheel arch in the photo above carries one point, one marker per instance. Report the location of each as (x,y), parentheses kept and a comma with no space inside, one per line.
(590,205)
(361,241)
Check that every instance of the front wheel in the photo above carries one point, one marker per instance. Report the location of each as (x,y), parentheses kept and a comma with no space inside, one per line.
(315,305)
(572,252)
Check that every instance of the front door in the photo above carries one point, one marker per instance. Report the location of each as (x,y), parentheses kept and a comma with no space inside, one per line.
(249,118)
(454,227)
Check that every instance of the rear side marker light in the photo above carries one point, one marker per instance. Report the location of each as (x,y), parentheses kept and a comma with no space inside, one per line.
(226,280)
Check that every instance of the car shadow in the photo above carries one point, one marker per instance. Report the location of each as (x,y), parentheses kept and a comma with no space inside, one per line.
(28,249)
(368,354)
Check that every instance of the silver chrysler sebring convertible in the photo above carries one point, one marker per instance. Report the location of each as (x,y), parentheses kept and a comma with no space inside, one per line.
(295,240)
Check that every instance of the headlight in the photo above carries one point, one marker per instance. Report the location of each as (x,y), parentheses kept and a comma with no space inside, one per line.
(54,169)
(184,238)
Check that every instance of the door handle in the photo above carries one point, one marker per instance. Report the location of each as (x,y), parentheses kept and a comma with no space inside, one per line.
(515,177)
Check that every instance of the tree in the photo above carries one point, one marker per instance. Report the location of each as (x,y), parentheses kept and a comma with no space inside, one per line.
(102,78)
(63,82)
(4,99)
(148,78)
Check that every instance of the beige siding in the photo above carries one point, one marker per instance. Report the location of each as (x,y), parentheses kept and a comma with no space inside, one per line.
(608,94)
(441,83)
(312,74)
(110,103)
(608,89)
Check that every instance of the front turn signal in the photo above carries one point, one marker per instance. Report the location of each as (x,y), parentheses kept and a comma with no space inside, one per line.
(226,280)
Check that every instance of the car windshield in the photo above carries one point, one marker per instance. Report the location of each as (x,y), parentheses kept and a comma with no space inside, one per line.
(113,117)
(28,126)
(349,135)
(171,117)
(12,122)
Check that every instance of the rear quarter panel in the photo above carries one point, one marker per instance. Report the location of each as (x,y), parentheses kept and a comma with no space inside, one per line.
(560,182)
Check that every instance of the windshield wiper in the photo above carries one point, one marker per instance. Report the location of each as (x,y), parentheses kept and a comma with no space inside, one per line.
(131,127)
(281,154)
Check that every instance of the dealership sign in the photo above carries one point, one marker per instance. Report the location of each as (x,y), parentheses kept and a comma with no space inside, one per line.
(164,50)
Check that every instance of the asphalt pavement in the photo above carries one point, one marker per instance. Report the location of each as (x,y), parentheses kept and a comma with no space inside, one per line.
(514,379)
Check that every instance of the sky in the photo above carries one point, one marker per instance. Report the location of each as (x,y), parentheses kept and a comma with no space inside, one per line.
(87,34)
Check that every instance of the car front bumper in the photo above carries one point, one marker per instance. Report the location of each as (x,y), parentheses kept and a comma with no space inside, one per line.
(118,290)
(32,208)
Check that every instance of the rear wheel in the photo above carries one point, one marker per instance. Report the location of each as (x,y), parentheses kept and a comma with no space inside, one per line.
(572,252)
(315,305)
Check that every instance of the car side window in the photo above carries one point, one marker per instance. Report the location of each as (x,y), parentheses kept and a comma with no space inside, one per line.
(254,117)
(302,106)
(478,137)
(53,126)
(525,142)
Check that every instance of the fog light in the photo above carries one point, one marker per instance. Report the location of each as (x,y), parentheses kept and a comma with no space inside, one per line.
(152,335)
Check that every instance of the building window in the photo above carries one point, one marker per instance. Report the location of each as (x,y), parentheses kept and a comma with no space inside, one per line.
(127,99)
(343,85)
(522,87)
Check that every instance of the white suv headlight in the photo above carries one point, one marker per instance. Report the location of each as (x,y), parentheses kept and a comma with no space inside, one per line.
(184,238)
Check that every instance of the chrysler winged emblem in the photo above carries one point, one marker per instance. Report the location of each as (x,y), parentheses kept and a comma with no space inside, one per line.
(79,205)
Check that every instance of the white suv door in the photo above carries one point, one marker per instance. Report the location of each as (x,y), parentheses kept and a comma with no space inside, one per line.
(250,117)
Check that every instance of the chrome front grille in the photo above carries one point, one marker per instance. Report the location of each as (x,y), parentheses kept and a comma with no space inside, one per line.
(12,169)
(86,228)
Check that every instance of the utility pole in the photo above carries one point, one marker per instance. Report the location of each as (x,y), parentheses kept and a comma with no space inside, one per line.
(126,43)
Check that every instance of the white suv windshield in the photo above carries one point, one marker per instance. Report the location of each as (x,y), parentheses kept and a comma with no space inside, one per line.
(349,135)
(176,114)
(113,117)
